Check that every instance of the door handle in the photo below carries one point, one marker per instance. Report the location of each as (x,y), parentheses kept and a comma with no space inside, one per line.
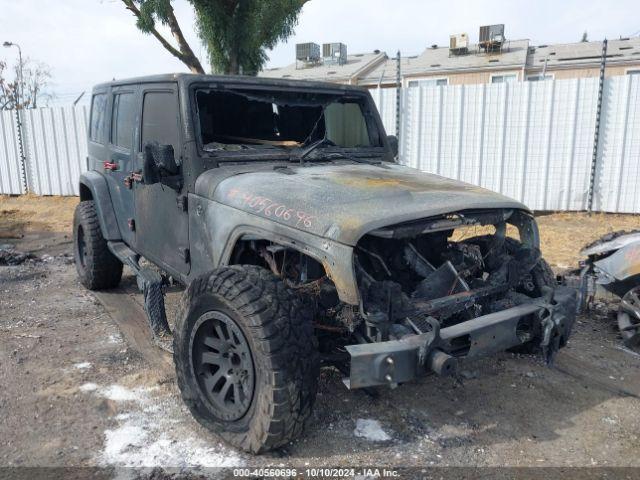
(107,165)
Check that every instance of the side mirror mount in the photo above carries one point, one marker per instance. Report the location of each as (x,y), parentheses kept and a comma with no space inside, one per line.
(392,140)
(160,165)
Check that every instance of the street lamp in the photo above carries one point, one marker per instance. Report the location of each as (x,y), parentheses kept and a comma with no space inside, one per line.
(20,79)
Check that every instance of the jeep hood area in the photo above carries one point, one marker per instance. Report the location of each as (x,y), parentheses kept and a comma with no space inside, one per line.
(403,270)
(344,202)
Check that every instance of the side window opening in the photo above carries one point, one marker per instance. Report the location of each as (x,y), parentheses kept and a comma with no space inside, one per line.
(96,123)
(345,125)
(123,120)
(160,119)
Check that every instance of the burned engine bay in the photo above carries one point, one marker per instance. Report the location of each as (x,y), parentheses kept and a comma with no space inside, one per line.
(420,277)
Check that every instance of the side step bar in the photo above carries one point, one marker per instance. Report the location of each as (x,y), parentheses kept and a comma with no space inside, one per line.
(150,283)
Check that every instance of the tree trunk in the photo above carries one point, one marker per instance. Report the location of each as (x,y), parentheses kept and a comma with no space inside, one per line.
(234,63)
(183,52)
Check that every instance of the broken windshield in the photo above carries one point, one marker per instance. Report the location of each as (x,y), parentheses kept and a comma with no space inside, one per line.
(237,120)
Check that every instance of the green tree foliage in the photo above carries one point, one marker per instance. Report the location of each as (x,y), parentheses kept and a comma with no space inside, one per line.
(236,33)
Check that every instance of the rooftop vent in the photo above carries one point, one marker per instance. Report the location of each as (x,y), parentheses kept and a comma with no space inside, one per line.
(307,54)
(334,53)
(491,37)
(458,44)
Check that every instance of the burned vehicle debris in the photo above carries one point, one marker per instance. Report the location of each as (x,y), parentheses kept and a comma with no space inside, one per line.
(301,243)
(613,263)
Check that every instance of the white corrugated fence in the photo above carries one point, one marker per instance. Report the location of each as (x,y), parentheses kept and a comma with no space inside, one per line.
(532,141)
(10,158)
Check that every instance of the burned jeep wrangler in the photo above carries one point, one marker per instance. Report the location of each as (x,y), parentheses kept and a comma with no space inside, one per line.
(300,242)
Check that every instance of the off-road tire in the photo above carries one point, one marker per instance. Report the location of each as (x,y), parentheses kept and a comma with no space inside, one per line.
(97,267)
(280,336)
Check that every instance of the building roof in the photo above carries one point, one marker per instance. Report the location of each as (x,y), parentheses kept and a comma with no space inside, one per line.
(436,60)
(353,68)
(371,69)
(583,54)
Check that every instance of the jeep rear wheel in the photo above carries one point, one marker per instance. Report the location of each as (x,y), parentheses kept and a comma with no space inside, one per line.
(97,267)
(246,358)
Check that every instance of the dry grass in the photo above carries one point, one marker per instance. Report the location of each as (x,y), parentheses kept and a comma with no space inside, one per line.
(30,213)
(562,234)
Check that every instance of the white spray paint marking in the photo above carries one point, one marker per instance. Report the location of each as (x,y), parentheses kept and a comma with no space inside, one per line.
(82,365)
(371,430)
(155,432)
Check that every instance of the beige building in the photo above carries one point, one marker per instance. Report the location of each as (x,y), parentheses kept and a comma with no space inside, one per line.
(517,60)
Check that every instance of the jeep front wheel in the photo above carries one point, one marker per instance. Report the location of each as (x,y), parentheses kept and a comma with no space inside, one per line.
(97,267)
(246,357)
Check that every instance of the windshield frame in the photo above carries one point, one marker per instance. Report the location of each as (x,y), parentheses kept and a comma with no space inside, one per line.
(264,153)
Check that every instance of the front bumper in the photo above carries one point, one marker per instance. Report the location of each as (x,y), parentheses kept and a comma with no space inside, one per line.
(547,320)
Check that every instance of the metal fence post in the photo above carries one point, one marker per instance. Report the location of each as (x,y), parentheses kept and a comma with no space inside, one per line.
(596,134)
(398,96)
(23,158)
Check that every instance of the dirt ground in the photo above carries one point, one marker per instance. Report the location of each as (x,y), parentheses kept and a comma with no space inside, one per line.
(81,385)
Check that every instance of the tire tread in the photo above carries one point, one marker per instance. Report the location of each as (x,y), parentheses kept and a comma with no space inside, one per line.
(103,269)
(283,335)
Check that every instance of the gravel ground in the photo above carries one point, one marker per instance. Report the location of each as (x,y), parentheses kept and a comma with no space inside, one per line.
(78,393)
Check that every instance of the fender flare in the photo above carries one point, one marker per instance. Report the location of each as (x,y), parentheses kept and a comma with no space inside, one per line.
(336,259)
(97,185)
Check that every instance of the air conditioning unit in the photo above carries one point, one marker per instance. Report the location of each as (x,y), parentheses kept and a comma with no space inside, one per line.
(459,43)
(308,52)
(334,53)
(491,37)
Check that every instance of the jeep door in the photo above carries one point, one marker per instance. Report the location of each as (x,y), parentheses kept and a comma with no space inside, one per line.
(123,105)
(162,224)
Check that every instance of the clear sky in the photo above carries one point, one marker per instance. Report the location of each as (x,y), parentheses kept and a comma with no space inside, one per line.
(89,41)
